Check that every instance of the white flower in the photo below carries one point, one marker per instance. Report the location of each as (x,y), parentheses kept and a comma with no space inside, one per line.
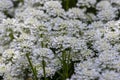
(43,52)
(107,14)
(112,31)
(112,35)
(54,8)
(96,24)
(112,25)
(108,56)
(52,63)
(110,75)
(102,45)
(23,36)
(75,28)
(65,42)
(2,69)
(55,12)
(5,4)
(87,3)
(117,47)
(8,54)
(34,2)
(103,5)
(52,5)
(117,24)
(2,16)
(85,71)
(76,13)
(30,12)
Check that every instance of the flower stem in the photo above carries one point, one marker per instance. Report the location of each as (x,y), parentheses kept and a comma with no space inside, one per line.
(32,68)
(44,64)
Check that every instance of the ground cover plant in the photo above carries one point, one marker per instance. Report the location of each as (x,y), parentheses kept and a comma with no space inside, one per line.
(59,39)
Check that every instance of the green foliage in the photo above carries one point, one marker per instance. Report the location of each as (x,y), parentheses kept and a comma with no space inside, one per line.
(68,4)
(65,62)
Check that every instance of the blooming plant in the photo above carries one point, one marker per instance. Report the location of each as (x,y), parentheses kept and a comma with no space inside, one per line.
(59,39)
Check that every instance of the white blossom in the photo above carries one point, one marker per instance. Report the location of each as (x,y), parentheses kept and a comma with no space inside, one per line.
(5,4)
(87,3)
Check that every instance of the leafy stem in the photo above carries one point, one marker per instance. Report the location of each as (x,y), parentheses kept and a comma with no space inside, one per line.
(65,61)
(44,65)
(34,71)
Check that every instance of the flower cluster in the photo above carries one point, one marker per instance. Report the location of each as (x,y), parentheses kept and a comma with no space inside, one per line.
(90,32)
